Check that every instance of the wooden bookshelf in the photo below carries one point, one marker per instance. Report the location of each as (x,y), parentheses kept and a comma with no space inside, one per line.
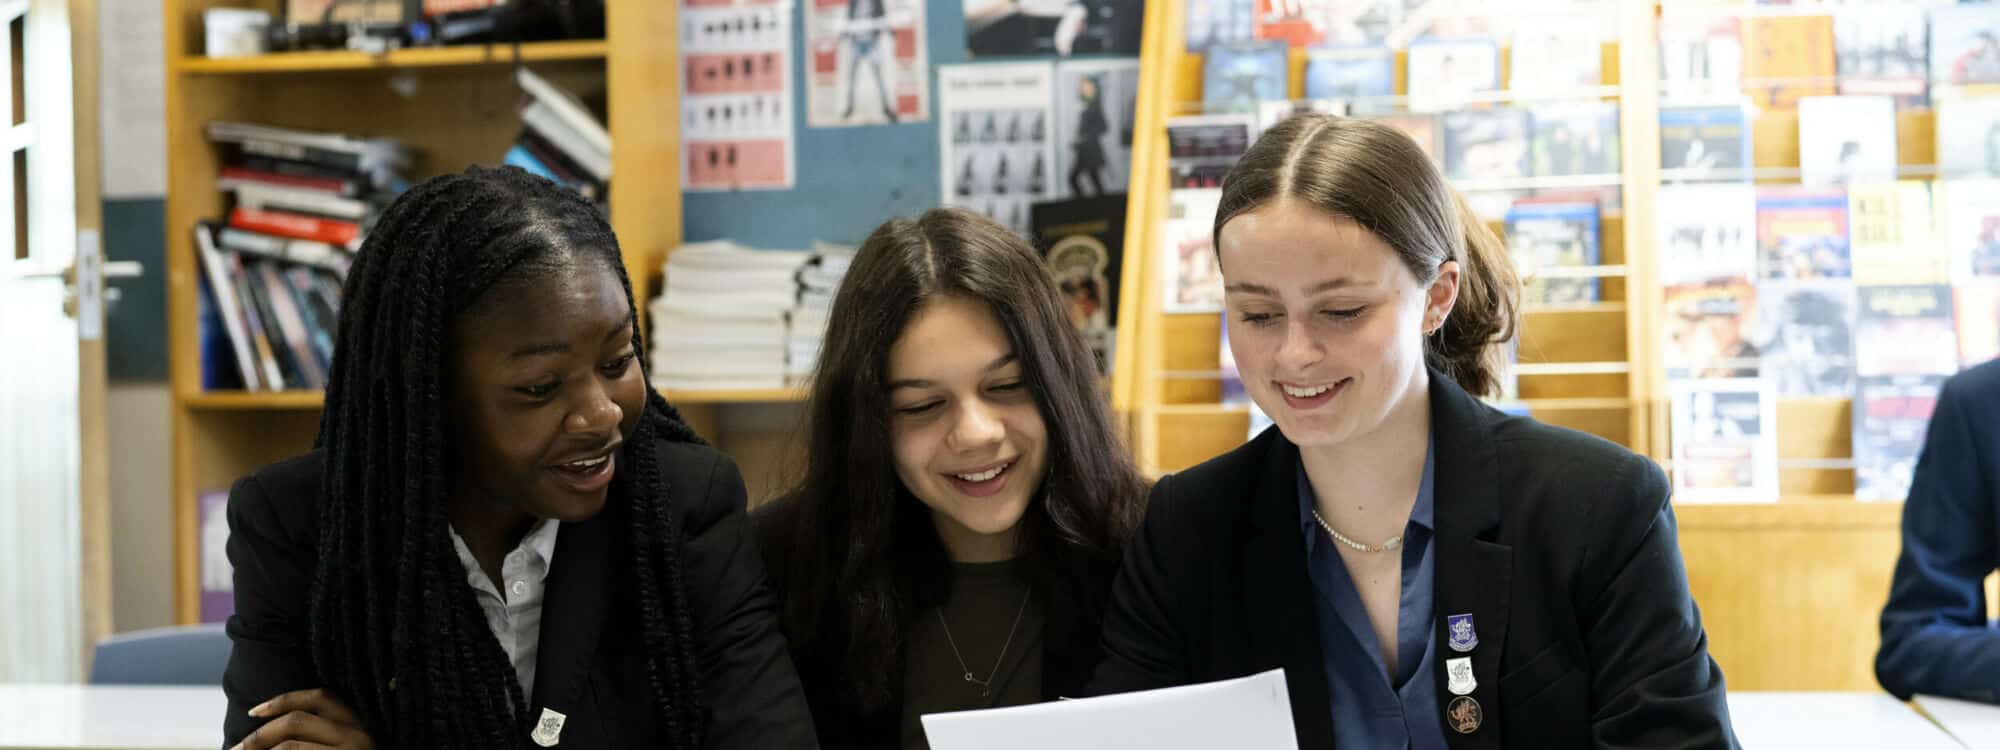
(457,105)
(749,396)
(419,57)
(268,400)
(1789,591)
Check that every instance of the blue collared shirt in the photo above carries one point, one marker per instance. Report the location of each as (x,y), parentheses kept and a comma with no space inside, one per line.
(1370,709)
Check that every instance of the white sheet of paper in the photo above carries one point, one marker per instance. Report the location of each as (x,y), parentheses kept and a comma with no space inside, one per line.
(1831,721)
(1248,713)
(1975,724)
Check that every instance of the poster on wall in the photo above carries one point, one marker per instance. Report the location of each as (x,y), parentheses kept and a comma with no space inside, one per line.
(996,155)
(736,96)
(132,105)
(1725,440)
(869,63)
(1002,28)
(1213,22)
(1193,281)
(1096,104)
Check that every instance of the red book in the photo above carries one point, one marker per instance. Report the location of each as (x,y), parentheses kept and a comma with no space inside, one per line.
(299,226)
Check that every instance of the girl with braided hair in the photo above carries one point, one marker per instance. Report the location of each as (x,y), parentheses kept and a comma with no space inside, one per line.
(503,535)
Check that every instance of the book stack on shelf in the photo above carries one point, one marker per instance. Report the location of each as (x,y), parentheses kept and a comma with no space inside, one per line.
(722,322)
(271,267)
(819,282)
(561,140)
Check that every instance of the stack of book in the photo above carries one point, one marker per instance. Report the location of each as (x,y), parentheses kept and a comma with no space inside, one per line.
(298,206)
(721,322)
(819,281)
(561,140)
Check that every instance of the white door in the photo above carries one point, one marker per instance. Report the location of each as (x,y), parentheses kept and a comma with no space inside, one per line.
(54,556)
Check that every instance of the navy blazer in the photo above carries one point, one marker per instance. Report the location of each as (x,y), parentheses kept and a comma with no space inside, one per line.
(1560,545)
(1935,636)
(590,661)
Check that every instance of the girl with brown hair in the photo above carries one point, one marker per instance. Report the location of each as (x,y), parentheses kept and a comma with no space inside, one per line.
(1429,572)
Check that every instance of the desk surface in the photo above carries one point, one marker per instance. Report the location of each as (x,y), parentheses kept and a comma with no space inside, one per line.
(1975,724)
(83,717)
(1830,721)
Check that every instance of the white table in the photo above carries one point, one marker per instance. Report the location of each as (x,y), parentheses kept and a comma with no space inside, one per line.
(1975,724)
(87,717)
(1833,721)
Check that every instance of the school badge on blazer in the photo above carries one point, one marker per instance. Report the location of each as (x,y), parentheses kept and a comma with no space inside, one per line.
(548,730)
(1458,676)
(1463,637)
(1464,715)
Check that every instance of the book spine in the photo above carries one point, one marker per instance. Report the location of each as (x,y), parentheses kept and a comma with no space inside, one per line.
(319,321)
(566,171)
(308,252)
(216,267)
(567,109)
(550,127)
(253,318)
(356,182)
(296,226)
(218,360)
(276,149)
(519,156)
(292,325)
(233,177)
(298,201)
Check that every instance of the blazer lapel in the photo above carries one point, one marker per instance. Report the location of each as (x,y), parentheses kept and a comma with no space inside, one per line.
(1278,596)
(1473,572)
(573,613)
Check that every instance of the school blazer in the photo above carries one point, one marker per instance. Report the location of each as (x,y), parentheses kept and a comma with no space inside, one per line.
(1560,545)
(590,660)
(1070,646)
(1935,635)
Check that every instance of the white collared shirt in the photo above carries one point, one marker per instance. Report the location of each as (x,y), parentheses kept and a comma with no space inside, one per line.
(515,617)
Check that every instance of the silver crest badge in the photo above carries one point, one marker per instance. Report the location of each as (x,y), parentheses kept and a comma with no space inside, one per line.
(1458,675)
(548,730)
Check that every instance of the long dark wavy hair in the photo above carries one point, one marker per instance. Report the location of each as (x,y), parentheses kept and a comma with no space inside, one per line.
(396,632)
(863,554)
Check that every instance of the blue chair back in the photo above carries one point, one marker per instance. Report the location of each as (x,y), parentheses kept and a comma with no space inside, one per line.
(187,655)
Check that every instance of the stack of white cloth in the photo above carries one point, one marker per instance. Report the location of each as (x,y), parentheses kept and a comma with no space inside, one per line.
(819,281)
(720,324)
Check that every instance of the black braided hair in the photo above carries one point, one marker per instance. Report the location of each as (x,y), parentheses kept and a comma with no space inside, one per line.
(396,632)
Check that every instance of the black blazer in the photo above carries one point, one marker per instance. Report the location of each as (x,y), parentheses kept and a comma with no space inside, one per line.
(589,663)
(1076,596)
(1561,546)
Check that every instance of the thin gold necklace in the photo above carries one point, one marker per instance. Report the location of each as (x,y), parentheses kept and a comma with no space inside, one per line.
(986,685)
